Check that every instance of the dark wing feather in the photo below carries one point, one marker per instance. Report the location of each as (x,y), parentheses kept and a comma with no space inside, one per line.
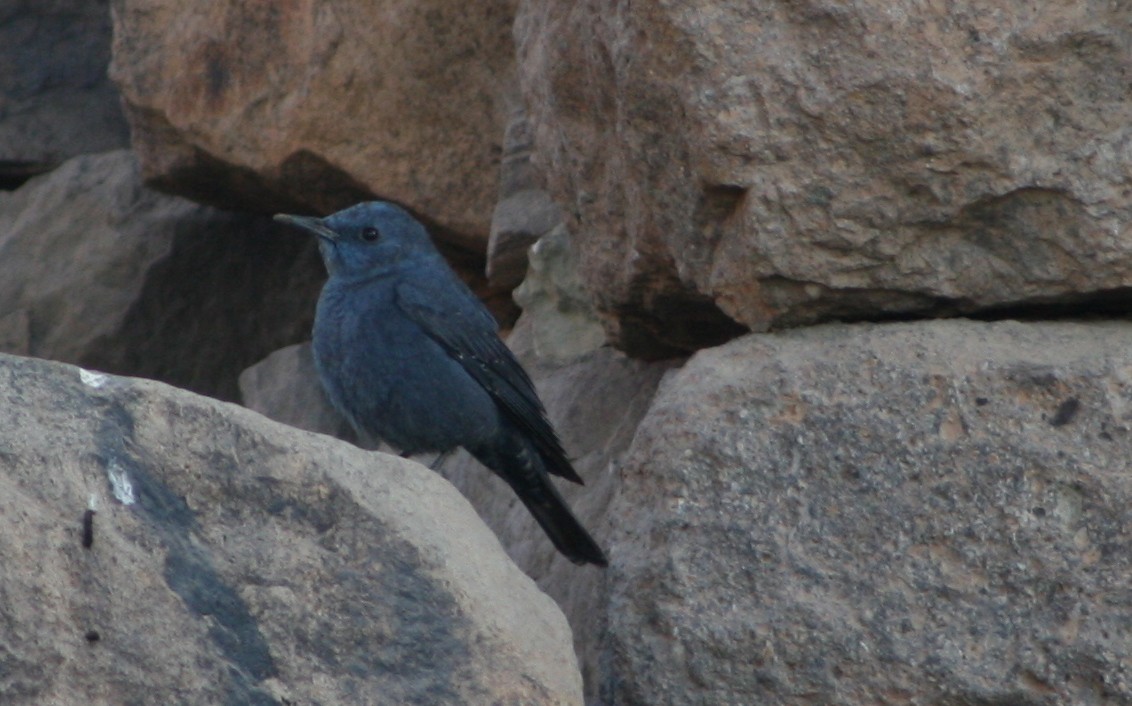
(468,332)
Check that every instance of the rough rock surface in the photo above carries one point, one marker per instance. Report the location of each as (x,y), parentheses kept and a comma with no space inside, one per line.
(235,560)
(557,312)
(910,513)
(98,270)
(56,101)
(320,104)
(525,210)
(781,163)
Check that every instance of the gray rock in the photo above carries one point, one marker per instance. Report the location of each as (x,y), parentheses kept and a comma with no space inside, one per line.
(518,221)
(56,101)
(98,270)
(235,560)
(76,246)
(517,170)
(524,212)
(915,513)
(562,323)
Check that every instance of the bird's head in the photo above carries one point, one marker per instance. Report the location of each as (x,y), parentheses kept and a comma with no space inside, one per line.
(368,238)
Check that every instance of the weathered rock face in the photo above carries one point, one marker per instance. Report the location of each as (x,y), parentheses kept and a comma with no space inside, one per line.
(237,561)
(75,246)
(98,270)
(56,101)
(320,104)
(913,513)
(785,163)
(525,210)
(560,322)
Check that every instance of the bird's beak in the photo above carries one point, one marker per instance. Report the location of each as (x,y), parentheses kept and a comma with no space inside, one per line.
(314,225)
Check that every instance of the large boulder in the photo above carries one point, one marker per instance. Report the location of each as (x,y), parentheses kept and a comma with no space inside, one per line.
(320,104)
(233,560)
(914,513)
(724,164)
(98,270)
(56,101)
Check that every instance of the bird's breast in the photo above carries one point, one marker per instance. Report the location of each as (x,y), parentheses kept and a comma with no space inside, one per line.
(390,379)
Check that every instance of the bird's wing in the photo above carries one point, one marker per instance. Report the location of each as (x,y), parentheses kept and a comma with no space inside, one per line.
(454,318)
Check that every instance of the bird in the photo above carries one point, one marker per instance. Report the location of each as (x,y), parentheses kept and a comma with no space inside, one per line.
(409,355)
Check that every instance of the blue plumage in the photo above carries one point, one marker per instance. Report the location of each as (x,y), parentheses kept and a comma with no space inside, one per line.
(409,355)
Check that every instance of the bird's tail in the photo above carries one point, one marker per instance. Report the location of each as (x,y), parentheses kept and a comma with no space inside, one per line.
(516,461)
(564,530)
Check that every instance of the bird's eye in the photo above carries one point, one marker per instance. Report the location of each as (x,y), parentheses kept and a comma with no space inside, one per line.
(370,234)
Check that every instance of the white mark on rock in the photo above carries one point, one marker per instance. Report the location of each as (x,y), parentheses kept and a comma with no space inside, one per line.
(92,502)
(95,380)
(120,483)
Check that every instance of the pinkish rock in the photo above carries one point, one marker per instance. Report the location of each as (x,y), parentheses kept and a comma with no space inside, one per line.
(297,104)
(725,164)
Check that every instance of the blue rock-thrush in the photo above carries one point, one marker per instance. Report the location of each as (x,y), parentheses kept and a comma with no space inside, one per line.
(409,355)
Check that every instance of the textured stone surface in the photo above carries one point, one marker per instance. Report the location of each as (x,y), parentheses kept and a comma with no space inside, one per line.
(237,561)
(781,163)
(98,270)
(524,212)
(75,247)
(913,513)
(562,323)
(518,221)
(56,101)
(276,106)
